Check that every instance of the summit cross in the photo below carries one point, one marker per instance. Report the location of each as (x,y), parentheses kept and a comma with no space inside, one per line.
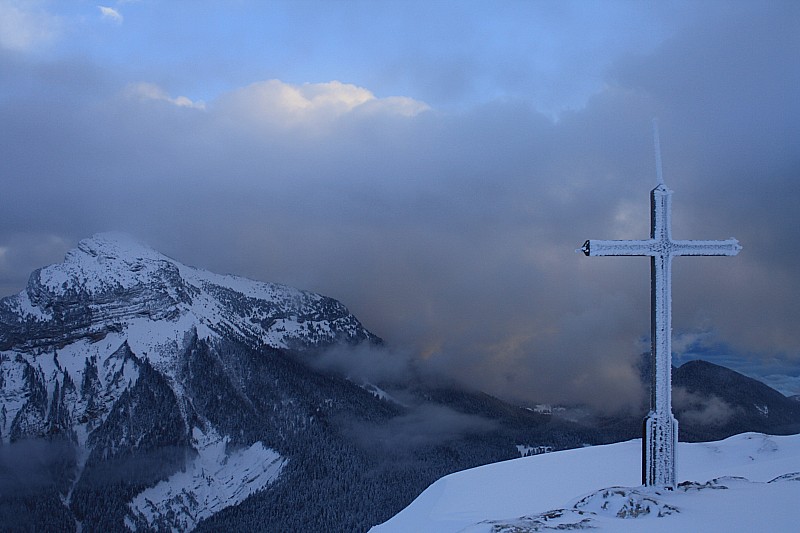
(660,427)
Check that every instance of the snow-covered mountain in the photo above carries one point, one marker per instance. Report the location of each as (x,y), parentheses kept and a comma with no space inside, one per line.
(748,482)
(113,287)
(119,363)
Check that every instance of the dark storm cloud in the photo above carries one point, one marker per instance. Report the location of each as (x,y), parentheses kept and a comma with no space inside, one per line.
(449,234)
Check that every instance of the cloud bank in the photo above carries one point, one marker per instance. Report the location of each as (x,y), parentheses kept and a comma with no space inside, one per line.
(451,234)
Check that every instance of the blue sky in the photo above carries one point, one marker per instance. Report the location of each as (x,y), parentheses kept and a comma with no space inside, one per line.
(448,53)
(431,164)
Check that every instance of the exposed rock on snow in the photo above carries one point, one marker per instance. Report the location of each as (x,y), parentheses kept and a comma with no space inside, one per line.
(599,509)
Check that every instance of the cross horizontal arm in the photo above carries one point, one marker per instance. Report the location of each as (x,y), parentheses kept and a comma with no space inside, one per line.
(726,247)
(594,247)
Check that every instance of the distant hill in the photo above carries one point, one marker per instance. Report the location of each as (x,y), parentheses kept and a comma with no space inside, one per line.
(713,402)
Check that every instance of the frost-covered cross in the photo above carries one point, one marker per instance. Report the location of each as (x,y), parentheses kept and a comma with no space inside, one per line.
(660,426)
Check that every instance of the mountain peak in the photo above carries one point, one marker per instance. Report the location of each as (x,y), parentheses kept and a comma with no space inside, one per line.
(103,262)
(112,282)
(115,245)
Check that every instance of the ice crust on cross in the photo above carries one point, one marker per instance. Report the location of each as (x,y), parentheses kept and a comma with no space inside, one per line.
(660,427)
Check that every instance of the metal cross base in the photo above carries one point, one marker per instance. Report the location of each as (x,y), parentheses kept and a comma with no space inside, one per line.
(658,449)
(660,427)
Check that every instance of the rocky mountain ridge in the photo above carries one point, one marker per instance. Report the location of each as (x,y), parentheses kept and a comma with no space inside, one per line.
(110,281)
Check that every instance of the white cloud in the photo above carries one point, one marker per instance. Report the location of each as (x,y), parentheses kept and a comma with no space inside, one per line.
(109,13)
(274,101)
(151,91)
(23,27)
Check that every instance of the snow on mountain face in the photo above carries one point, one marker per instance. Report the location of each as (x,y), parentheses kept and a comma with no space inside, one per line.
(748,482)
(112,291)
(215,479)
(109,283)
(97,351)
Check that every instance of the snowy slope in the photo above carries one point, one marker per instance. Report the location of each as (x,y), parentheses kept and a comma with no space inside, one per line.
(569,489)
(215,479)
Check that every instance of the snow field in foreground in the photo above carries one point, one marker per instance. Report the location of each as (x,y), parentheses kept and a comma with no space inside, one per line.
(501,494)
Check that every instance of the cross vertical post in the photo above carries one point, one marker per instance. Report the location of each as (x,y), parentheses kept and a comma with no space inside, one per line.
(660,426)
